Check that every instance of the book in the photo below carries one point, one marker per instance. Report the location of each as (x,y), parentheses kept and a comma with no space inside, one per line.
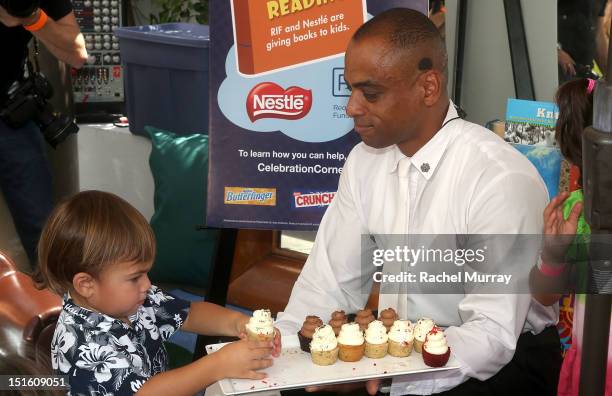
(276,34)
(531,122)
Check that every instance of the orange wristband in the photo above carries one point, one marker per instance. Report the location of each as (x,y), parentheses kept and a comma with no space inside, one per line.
(40,22)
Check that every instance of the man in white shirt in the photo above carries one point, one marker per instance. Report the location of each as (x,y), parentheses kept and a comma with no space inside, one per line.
(423,170)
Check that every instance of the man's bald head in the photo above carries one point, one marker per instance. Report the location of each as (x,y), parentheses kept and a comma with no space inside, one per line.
(410,33)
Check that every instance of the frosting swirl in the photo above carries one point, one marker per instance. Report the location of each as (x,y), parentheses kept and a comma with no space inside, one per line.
(350,334)
(323,339)
(435,343)
(338,318)
(363,318)
(422,327)
(376,333)
(401,331)
(310,325)
(261,322)
(388,316)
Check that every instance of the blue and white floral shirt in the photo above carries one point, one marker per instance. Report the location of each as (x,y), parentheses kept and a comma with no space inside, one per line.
(105,356)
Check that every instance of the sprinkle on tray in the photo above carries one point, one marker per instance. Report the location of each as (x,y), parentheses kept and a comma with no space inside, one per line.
(252,387)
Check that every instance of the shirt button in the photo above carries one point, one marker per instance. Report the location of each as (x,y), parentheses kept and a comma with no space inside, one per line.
(425,167)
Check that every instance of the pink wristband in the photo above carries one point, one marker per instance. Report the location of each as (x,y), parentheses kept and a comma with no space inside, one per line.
(550,270)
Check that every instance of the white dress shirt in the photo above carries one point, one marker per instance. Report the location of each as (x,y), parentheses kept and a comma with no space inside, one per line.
(465,180)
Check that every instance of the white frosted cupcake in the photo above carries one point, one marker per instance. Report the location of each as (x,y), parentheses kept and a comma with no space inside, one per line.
(260,326)
(324,346)
(351,343)
(376,340)
(436,351)
(422,327)
(401,338)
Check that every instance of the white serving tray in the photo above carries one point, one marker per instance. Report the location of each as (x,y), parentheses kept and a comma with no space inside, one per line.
(294,369)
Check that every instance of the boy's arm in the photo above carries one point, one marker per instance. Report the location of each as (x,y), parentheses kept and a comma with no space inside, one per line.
(237,360)
(211,319)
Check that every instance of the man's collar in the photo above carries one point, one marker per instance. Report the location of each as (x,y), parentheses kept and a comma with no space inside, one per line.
(427,158)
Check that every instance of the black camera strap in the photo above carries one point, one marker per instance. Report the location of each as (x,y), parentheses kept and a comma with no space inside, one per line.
(31,70)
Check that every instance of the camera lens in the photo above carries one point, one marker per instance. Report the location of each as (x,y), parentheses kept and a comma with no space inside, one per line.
(58,130)
(20,8)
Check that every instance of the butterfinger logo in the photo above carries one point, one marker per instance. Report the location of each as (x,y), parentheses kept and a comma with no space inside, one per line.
(276,34)
(250,196)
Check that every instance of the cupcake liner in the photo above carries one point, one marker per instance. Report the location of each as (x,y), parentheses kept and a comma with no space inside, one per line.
(375,351)
(418,345)
(324,358)
(304,342)
(435,360)
(351,353)
(400,349)
(251,336)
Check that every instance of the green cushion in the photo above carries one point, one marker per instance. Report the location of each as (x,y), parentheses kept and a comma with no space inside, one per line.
(179,165)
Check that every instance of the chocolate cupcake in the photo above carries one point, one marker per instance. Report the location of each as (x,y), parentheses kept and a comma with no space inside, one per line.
(338,318)
(311,323)
(388,316)
(364,318)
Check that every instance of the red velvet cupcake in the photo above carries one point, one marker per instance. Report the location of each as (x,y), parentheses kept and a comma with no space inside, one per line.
(436,351)
(311,323)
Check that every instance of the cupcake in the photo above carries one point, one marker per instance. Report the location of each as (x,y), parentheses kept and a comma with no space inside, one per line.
(324,346)
(351,343)
(376,340)
(401,338)
(306,332)
(363,318)
(260,326)
(388,316)
(422,327)
(338,318)
(436,351)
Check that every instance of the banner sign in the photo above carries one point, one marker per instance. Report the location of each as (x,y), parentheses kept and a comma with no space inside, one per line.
(279,130)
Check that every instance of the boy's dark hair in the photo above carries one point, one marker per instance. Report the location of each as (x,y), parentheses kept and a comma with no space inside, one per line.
(575,114)
(88,232)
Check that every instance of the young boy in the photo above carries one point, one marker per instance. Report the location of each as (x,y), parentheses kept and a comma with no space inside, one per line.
(96,250)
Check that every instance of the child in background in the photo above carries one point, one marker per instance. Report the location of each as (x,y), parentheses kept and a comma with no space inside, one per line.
(96,250)
(563,217)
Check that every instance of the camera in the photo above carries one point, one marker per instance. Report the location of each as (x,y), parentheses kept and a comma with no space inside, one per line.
(27,101)
(20,8)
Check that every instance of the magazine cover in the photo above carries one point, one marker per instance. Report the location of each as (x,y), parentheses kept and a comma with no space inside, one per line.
(531,122)
(279,133)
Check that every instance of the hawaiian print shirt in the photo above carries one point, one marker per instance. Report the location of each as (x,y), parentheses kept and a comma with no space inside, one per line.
(105,356)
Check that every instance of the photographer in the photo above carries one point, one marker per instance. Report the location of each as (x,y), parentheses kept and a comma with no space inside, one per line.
(25,176)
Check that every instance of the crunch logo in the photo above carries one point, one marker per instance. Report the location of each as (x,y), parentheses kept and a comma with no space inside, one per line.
(250,196)
(270,100)
(313,199)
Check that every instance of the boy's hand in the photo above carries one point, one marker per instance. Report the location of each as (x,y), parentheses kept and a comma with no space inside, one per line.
(240,359)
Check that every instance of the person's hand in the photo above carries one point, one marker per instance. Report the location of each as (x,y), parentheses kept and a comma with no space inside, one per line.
(10,21)
(240,325)
(277,343)
(558,232)
(242,358)
(567,63)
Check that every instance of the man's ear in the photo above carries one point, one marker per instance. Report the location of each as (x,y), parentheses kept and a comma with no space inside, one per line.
(84,284)
(432,87)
